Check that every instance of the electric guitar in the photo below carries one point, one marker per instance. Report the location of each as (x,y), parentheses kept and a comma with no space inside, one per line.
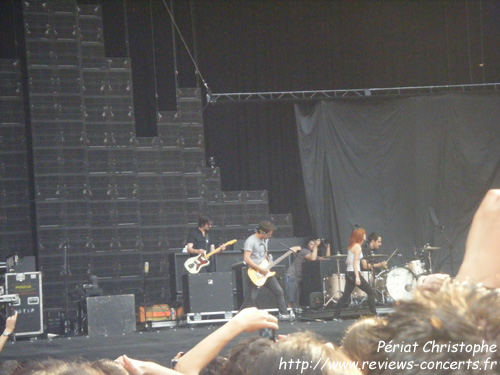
(260,279)
(195,264)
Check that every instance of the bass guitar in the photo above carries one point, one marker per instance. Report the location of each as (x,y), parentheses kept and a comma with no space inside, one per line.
(260,279)
(195,264)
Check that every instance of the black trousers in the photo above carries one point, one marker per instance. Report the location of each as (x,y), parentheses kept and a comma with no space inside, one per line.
(350,284)
(274,286)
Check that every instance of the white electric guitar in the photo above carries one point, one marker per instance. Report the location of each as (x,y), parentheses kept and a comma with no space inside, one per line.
(195,264)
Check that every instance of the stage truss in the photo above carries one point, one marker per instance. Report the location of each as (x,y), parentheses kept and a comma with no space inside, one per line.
(215,98)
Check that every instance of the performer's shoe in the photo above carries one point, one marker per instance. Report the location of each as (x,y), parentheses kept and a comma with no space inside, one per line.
(297,310)
(286,317)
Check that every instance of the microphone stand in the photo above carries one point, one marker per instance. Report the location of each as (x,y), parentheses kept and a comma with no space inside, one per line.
(145,297)
(450,248)
(66,272)
(437,224)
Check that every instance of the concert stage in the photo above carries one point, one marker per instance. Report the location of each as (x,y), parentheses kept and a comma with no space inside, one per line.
(161,344)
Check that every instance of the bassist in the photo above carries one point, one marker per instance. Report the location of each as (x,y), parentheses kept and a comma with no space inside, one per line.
(255,252)
(199,241)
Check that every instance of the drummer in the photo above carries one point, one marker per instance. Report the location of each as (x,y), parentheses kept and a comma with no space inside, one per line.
(369,247)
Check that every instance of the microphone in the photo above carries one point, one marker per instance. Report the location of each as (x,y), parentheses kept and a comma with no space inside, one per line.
(146,267)
(94,281)
(435,219)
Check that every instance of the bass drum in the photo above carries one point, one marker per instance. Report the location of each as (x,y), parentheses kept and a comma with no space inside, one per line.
(398,283)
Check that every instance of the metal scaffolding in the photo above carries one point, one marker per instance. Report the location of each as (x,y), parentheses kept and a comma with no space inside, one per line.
(215,98)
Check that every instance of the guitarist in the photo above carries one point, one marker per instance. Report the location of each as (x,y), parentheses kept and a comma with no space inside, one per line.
(255,251)
(199,242)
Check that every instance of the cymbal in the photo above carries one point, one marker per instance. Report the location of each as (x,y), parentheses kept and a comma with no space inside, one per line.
(430,248)
(336,256)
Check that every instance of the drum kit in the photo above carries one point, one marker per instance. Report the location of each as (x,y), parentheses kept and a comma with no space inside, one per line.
(393,284)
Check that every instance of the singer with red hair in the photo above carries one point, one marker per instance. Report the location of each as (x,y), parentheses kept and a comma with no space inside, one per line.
(353,276)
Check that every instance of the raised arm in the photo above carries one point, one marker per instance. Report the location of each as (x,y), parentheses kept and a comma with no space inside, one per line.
(328,250)
(10,325)
(247,320)
(314,254)
(481,261)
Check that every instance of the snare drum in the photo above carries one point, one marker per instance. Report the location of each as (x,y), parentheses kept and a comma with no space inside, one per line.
(417,267)
(398,283)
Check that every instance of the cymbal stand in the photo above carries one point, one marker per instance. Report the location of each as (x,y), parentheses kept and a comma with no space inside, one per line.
(377,291)
(332,297)
(359,302)
(355,301)
(429,257)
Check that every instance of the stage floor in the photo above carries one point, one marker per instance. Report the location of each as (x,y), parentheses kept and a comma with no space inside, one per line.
(161,344)
(158,344)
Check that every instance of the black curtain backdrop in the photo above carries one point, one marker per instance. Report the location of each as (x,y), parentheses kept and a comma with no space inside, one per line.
(383,162)
(281,45)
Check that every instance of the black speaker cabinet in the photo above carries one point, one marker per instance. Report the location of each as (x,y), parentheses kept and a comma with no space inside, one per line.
(29,306)
(111,315)
(17,264)
(313,277)
(54,321)
(224,262)
(208,292)
(178,271)
(265,299)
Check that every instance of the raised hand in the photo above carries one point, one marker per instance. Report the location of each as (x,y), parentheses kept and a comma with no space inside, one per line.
(252,319)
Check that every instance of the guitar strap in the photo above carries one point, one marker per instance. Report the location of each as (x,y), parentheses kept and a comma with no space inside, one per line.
(269,256)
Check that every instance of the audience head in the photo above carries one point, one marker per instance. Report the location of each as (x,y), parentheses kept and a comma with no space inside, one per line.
(298,353)
(8,367)
(361,339)
(60,367)
(439,327)
(215,366)
(243,354)
(109,367)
